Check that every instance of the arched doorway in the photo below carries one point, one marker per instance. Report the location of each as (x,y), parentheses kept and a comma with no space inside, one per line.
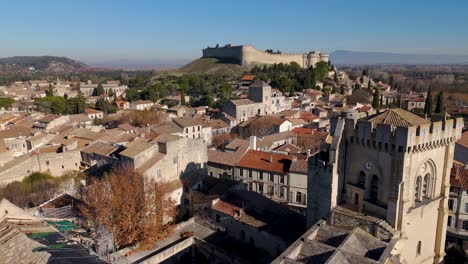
(374,189)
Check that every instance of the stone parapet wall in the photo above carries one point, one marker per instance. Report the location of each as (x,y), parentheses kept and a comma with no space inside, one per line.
(249,55)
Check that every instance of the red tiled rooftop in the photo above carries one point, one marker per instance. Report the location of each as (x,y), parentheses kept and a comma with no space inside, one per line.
(459,177)
(226,208)
(365,108)
(303,131)
(463,141)
(248,78)
(92,111)
(266,161)
(308,116)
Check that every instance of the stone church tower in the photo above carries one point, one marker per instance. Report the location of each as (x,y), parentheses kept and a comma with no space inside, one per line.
(390,173)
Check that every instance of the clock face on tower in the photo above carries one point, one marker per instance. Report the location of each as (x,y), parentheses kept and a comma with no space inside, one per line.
(423,167)
(369,165)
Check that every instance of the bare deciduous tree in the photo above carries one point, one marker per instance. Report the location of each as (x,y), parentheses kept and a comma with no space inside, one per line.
(131,207)
(219,141)
(142,118)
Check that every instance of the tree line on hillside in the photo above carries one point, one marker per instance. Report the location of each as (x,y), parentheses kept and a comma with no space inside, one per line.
(289,78)
(203,89)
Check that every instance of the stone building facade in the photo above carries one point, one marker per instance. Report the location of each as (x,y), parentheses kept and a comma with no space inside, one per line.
(457,221)
(54,163)
(392,165)
(262,100)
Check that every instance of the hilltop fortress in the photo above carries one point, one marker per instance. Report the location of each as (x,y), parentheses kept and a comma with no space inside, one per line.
(249,55)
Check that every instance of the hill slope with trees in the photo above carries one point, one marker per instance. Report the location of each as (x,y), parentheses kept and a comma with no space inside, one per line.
(40,63)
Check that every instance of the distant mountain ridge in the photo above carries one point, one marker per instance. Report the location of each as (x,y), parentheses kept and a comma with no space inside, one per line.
(41,63)
(347,57)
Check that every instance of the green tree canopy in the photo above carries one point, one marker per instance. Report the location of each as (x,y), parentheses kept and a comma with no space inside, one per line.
(428,106)
(376,98)
(52,104)
(440,108)
(50,91)
(100,90)
(6,102)
(321,70)
(182,99)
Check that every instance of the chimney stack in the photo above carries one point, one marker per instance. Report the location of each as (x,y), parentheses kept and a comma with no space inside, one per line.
(253,142)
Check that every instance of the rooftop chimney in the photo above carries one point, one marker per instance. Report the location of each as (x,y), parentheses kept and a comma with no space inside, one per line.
(253,142)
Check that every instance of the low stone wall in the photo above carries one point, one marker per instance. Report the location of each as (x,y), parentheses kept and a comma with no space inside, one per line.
(340,217)
(54,163)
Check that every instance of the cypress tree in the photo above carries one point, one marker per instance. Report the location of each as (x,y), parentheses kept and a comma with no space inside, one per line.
(100,90)
(50,92)
(428,107)
(381,101)
(375,99)
(439,109)
(398,101)
(182,99)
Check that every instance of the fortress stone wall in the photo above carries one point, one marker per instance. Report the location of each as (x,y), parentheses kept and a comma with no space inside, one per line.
(248,55)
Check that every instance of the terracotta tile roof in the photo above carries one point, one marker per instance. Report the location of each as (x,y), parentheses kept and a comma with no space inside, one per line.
(303,131)
(127,127)
(365,108)
(166,128)
(92,111)
(186,122)
(309,117)
(417,99)
(100,149)
(397,117)
(463,141)
(242,102)
(16,131)
(289,148)
(135,148)
(459,177)
(248,78)
(87,134)
(266,161)
(297,121)
(237,143)
(48,118)
(218,123)
(226,208)
(299,166)
(313,92)
(227,158)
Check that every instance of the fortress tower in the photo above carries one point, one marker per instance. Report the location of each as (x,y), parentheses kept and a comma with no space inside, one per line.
(393,166)
(249,55)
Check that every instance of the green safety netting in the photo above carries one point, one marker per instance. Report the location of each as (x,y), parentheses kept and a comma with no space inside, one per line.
(63,225)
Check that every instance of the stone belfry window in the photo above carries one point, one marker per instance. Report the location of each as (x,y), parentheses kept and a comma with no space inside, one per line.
(374,188)
(417,189)
(424,184)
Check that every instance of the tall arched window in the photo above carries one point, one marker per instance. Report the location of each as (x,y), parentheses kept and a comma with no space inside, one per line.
(417,189)
(426,191)
(418,248)
(374,188)
(362,179)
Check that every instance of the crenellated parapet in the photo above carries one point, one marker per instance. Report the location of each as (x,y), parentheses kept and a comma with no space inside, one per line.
(249,55)
(390,138)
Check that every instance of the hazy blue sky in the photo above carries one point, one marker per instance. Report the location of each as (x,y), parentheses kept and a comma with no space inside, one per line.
(103,30)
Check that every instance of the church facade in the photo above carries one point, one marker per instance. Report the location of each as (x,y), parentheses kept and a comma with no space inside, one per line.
(388,173)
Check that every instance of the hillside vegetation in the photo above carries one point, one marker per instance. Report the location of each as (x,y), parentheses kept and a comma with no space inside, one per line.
(212,66)
(40,63)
